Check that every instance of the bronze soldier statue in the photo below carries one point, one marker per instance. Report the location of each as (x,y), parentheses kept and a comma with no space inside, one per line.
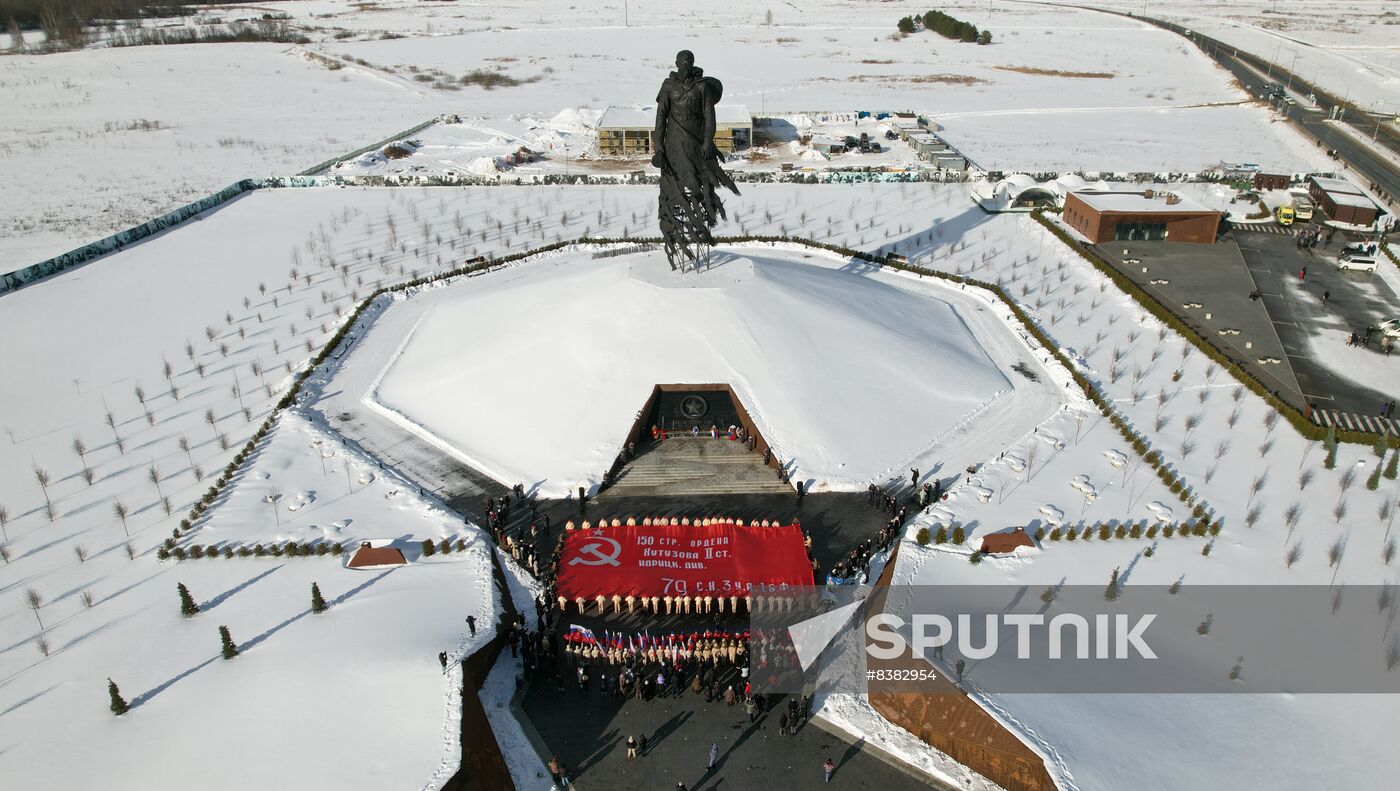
(684,149)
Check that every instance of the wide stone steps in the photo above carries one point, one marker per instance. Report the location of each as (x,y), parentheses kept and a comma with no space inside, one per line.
(687,465)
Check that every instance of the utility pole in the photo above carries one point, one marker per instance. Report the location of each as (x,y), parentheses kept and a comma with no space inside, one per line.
(625,22)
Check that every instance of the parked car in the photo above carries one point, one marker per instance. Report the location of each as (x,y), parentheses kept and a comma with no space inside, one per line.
(1357,263)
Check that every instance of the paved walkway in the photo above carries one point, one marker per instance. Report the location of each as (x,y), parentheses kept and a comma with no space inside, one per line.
(589,731)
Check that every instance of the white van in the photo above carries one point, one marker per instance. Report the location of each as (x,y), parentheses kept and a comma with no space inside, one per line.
(1358,263)
(1302,207)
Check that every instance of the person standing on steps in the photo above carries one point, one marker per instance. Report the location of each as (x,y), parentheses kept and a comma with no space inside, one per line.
(471,624)
(914,477)
(442,659)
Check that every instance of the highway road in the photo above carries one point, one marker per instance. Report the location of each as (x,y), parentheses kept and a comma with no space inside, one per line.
(1367,166)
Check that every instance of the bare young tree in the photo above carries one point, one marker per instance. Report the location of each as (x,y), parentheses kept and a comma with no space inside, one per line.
(42,476)
(82,553)
(1304,478)
(119,509)
(1252,517)
(1339,511)
(34,601)
(80,448)
(1295,553)
(184,443)
(1336,551)
(1257,485)
(112,424)
(1221,448)
(1291,516)
(153,475)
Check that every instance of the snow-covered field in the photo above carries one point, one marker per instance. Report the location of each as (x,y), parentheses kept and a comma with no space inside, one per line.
(100,139)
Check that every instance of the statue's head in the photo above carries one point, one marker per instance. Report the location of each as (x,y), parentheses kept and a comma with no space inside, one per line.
(685,60)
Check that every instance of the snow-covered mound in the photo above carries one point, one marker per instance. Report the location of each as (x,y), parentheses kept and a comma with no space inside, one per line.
(536,374)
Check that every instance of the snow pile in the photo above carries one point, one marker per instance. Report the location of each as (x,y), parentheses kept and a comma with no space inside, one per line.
(485,166)
(576,120)
(794,337)
(813,155)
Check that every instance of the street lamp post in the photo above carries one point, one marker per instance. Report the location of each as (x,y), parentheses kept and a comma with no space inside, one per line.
(1290,70)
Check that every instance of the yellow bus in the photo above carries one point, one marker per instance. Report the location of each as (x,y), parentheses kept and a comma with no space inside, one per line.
(1284,215)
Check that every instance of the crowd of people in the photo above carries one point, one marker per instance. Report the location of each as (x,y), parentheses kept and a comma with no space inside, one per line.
(713,664)
(523,546)
(1308,238)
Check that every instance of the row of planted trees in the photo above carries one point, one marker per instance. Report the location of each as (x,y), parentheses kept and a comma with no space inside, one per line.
(228,649)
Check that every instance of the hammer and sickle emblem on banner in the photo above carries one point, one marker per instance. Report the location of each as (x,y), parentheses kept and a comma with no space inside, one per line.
(594,548)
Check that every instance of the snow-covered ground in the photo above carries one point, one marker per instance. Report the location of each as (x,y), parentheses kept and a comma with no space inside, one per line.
(173,286)
(566,144)
(1349,48)
(101,139)
(1253,475)
(236,302)
(791,331)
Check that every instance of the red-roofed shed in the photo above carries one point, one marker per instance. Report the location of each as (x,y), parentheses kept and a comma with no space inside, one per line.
(367,557)
(1002,543)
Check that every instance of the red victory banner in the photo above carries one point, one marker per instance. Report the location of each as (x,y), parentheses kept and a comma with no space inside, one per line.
(681,560)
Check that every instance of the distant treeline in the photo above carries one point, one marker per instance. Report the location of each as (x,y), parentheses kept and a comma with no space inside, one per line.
(946,26)
(65,20)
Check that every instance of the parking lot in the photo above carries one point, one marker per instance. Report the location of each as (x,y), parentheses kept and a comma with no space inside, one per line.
(1300,314)
(1276,337)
